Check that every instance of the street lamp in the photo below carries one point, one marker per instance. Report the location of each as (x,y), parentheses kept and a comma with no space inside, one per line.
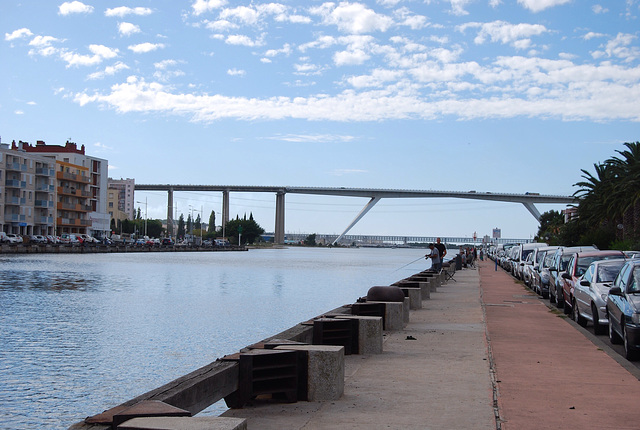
(145,215)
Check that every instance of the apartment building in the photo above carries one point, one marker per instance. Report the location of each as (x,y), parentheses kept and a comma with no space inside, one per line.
(27,192)
(125,197)
(80,187)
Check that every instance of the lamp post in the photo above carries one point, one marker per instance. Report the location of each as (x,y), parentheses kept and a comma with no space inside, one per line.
(145,215)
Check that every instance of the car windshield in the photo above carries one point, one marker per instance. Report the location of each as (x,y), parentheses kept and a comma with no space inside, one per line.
(584,262)
(525,253)
(607,273)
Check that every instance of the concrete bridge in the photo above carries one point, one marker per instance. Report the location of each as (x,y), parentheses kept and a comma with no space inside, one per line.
(375,195)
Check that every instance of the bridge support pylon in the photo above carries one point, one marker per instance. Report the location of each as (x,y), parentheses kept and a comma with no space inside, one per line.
(278,236)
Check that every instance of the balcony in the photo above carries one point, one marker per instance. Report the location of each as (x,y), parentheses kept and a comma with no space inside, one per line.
(43,204)
(74,207)
(44,220)
(73,222)
(73,177)
(14,183)
(14,218)
(15,201)
(45,188)
(16,167)
(44,171)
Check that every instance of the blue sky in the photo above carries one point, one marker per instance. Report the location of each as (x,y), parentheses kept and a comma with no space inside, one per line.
(487,95)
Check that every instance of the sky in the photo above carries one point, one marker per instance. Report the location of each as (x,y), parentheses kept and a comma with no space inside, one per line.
(453,95)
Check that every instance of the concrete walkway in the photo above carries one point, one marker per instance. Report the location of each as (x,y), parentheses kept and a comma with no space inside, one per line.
(440,380)
(487,354)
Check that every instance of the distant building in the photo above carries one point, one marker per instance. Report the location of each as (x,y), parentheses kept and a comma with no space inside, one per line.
(113,198)
(81,187)
(570,213)
(126,202)
(27,192)
(497,233)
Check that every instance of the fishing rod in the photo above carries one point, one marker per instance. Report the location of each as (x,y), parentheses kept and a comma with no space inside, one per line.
(419,258)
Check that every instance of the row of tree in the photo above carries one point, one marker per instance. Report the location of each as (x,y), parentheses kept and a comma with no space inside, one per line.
(247,229)
(608,213)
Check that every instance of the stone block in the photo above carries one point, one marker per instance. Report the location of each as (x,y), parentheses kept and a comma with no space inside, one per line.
(184,423)
(415,297)
(369,333)
(406,306)
(325,371)
(393,315)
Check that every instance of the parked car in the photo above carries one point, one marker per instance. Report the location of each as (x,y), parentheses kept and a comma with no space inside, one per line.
(521,256)
(14,238)
(561,259)
(167,242)
(540,272)
(590,294)
(577,267)
(623,309)
(3,237)
(37,238)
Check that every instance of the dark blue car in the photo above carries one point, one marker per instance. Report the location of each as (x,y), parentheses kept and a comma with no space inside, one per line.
(623,308)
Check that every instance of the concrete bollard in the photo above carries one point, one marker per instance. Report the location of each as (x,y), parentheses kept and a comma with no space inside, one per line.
(405,311)
(369,333)
(325,370)
(182,423)
(415,297)
(393,315)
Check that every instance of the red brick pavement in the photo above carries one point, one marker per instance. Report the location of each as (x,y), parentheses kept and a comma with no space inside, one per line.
(549,374)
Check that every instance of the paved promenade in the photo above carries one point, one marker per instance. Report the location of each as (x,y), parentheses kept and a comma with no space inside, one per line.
(487,354)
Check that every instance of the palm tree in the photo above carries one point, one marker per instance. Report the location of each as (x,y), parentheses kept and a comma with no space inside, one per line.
(627,191)
(596,193)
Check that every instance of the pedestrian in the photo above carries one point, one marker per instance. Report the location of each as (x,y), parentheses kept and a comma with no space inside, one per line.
(434,255)
(442,249)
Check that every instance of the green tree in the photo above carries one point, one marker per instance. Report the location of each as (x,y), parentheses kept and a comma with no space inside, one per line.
(189,224)
(249,228)
(212,223)
(310,240)
(181,231)
(112,224)
(154,228)
(551,223)
(198,223)
(139,214)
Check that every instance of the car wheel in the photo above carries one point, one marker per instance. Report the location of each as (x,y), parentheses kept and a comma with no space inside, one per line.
(552,298)
(613,336)
(597,327)
(629,353)
(575,314)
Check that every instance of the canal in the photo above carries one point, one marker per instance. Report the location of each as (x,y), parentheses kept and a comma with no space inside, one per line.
(82,333)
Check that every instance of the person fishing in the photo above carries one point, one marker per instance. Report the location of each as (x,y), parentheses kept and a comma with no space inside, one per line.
(434,255)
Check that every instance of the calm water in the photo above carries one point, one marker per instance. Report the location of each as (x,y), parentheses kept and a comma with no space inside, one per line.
(82,333)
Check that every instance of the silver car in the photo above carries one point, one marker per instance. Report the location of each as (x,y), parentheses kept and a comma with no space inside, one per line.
(590,294)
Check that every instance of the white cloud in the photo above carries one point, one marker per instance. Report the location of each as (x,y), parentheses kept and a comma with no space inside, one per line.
(458,7)
(123,11)
(104,51)
(590,35)
(68,8)
(286,50)
(343,172)
(127,29)
(242,40)
(598,9)
(313,138)
(503,32)
(41,41)
(407,18)
(243,14)
(236,72)
(19,112)
(143,48)
(540,5)
(354,18)
(18,34)
(620,47)
(221,25)
(350,58)
(202,6)
(165,64)
(108,71)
